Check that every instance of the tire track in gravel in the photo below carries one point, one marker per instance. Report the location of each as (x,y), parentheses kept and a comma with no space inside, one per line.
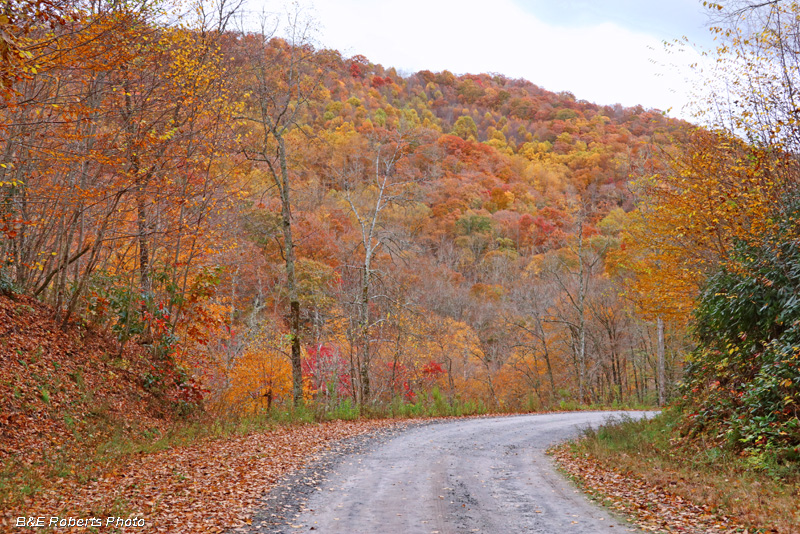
(484,475)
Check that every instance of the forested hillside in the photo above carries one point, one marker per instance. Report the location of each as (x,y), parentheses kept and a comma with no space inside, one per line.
(254,209)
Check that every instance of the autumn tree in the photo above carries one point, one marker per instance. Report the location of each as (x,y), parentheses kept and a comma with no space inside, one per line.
(22,23)
(374,179)
(465,128)
(573,269)
(534,301)
(280,77)
(720,223)
(126,108)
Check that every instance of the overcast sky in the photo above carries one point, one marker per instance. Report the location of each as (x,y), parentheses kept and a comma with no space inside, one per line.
(604,51)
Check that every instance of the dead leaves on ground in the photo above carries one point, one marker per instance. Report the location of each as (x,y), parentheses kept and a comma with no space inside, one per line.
(58,382)
(653,508)
(207,487)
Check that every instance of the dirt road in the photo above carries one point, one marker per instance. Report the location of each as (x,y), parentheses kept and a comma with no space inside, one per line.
(485,475)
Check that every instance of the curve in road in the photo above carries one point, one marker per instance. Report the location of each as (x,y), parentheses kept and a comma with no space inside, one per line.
(483,475)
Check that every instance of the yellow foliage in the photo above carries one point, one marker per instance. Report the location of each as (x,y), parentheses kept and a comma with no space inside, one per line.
(261,376)
(717,191)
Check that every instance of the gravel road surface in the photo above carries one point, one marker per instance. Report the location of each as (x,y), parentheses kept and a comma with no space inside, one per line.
(485,475)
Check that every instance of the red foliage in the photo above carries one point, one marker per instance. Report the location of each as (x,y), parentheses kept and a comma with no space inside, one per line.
(589,230)
(377,81)
(401,376)
(11,227)
(408,393)
(525,222)
(358,65)
(433,369)
(556,216)
(454,145)
(542,231)
(324,366)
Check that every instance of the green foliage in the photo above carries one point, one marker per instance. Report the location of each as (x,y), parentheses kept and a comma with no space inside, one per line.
(473,223)
(436,405)
(379,117)
(344,409)
(744,377)
(628,435)
(432,405)
(292,414)
(465,128)
(613,223)
(7,286)
(566,114)
(112,299)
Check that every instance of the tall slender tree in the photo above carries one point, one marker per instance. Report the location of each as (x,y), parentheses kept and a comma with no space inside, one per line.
(281,76)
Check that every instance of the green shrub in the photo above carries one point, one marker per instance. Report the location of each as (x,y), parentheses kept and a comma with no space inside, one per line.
(743,380)
(7,286)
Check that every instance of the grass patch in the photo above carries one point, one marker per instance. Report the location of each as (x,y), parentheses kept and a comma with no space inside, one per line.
(761,492)
(434,405)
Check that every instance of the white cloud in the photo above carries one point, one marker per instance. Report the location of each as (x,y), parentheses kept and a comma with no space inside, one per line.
(604,63)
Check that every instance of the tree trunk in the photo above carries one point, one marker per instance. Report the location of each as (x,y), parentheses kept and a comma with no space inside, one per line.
(365,318)
(662,375)
(144,250)
(547,361)
(291,275)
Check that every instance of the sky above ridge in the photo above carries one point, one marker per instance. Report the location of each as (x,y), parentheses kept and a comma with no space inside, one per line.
(603,51)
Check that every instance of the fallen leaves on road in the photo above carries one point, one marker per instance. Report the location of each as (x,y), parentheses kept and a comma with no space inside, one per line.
(653,508)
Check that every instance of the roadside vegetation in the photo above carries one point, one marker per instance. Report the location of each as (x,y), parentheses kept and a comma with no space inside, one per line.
(662,480)
(722,231)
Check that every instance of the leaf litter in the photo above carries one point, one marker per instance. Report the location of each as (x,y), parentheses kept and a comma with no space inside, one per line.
(652,507)
(208,487)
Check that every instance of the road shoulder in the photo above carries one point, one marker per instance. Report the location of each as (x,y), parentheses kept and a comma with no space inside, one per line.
(651,507)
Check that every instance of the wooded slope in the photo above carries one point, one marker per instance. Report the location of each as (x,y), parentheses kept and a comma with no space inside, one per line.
(456,234)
